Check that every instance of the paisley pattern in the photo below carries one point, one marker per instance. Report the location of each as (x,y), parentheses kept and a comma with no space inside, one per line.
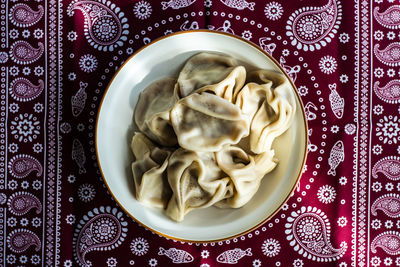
(389,166)
(21,203)
(106,26)
(389,241)
(311,28)
(66,113)
(22,165)
(390,93)
(389,18)
(390,55)
(20,240)
(389,204)
(308,231)
(104,228)
(21,89)
(22,52)
(22,15)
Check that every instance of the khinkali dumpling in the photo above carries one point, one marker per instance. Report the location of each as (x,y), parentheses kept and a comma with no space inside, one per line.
(246,172)
(206,122)
(271,93)
(196,182)
(224,122)
(149,172)
(204,69)
(153,110)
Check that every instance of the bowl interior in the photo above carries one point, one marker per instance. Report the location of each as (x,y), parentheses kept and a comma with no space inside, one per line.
(115,129)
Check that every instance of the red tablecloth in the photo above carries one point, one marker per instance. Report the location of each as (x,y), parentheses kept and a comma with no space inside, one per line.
(56,59)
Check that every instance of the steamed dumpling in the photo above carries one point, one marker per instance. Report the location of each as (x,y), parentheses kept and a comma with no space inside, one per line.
(246,172)
(270,92)
(206,122)
(152,113)
(196,182)
(204,69)
(149,172)
(224,122)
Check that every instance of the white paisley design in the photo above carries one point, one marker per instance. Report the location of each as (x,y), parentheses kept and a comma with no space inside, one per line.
(311,28)
(106,26)
(388,241)
(103,228)
(308,231)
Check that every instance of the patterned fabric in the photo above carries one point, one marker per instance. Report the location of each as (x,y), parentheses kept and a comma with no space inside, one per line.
(56,59)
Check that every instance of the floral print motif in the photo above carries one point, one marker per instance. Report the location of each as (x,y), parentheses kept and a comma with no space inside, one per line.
(25,127)
(271,247)
(142,10)
(273,10)
(388,129)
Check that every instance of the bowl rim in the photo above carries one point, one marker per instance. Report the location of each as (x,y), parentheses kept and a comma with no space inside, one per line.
(302,111)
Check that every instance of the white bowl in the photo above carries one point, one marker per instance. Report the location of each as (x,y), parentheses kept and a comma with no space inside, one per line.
(114,130)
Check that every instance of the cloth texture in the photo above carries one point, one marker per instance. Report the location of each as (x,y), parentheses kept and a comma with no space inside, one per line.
(56,60)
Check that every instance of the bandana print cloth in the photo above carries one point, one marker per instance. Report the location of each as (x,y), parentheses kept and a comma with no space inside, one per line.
(56,59)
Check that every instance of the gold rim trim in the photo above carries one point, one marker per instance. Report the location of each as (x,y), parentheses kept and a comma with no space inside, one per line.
(304,119)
